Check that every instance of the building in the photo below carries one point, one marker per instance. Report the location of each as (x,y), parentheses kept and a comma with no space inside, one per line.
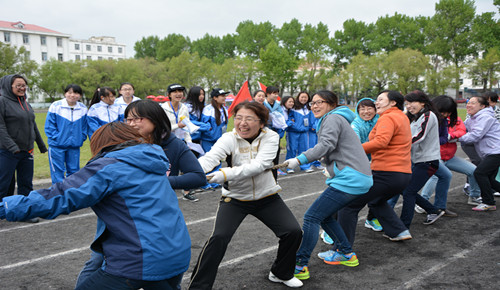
(43,44)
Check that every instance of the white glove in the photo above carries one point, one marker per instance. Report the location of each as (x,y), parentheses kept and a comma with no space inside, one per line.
(292,163)
(217,177)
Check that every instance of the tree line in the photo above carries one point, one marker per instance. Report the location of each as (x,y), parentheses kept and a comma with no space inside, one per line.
(396,52)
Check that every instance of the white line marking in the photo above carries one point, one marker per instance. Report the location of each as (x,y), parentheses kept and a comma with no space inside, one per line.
(46,222)
(6,267)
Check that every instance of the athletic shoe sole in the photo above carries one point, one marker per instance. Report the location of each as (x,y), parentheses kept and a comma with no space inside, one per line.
(369,226)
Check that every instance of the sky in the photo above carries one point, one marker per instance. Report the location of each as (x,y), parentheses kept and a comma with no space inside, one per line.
(134,20)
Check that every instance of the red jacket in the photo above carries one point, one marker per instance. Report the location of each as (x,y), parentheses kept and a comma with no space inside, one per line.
(448,149)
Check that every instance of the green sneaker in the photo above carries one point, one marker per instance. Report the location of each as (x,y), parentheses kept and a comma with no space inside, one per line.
(301,272)
(337,258)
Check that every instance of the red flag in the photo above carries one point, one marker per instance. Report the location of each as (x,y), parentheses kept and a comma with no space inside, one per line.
(243,95)
(262,87)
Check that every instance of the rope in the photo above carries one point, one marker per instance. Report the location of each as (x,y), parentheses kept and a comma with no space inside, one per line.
(277,166)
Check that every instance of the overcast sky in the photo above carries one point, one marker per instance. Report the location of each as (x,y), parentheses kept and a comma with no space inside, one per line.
(129,21)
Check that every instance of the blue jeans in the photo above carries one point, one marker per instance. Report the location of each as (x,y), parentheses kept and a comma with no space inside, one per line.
(92,265)
(321,213)
(102,280)
(443,178)
(456,164)
(21,162)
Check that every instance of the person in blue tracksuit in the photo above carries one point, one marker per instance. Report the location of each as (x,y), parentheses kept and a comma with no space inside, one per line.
(287,104)
(195,102)
(103,110)
(216,115)
(302,121)
(141,231)
(126,95)
(66,130)
(276,121)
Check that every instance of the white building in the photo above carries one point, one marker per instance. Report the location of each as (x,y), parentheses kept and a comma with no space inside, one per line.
(43,44)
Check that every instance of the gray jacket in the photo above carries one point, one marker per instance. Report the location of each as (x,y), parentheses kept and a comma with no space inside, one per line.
(425,138)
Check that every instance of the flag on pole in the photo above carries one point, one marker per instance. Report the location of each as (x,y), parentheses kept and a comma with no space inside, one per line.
(243,95)
(263,87)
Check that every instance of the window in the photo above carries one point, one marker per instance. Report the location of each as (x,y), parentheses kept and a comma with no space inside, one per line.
(99,48)
(77,46)
(26,39)
(6,36)
(59,41)
(43,40)
(99,58)
(88,47)
(89,57)
(60,56)
(44,56)
(110,49)
(120,50)
(77,57)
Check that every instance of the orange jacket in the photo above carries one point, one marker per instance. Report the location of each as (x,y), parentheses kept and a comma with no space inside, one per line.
(390,142)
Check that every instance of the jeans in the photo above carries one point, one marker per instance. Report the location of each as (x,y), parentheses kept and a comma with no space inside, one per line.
(102,280)
(21,162)
(321,213)
(485,174)
(273,212)
(456,164)
(443,178)
(92,265)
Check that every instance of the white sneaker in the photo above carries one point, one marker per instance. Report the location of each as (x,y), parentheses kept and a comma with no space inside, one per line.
(475,200)
(496,194)
(418,209)
(320,167)
(292,283)
(309,170)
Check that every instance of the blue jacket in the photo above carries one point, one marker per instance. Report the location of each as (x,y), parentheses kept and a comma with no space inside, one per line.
(182,160)
(215,131)
(66,127)
(100,114)
(362,127)
(276,107)
(141,231)
(298,125)
(196,119)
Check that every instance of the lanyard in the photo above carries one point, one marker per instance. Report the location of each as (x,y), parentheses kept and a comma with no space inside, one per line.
(175,114)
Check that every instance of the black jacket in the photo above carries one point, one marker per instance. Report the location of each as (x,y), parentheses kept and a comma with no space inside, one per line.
(18,130)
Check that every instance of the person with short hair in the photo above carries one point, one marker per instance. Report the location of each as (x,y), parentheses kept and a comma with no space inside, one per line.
(66,130)
(276,121)
(217,116)
(492,99)
(176,111)
(126,95)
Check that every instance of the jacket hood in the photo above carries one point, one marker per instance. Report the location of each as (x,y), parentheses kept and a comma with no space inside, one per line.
(345,112)
(146,157)
(485,111)
(357,104)
(6,87)
(359,120)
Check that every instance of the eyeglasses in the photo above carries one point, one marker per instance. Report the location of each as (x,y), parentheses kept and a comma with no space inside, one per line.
(21,87)
(316,103)
(134,119)
(127,89)
(246,119)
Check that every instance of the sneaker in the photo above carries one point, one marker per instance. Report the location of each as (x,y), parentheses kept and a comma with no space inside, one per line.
(373,224)
(281,172)
(326,238)
(403,236)
(324,255)
(484,207)
(475,200)
(418,209)
(449,213)
(309,170)
(320,167)
(301,272)
(337,258)
(32,221)
(290,171)
(433,217)
(292,283)
(466,189)
(207,187)
(190,196)
(214,185)
(496,193)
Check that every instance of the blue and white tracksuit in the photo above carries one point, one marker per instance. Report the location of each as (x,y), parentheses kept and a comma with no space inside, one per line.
(100,114)
(66,130)
(208,138)
(297,134)
(141,231)
(196,119)
(119,101)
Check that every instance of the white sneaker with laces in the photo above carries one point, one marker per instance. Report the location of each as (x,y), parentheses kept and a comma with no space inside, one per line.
(309,170)
(292,283)
(418,209)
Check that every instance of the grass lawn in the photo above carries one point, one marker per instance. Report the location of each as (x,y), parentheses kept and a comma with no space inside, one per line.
(42,161)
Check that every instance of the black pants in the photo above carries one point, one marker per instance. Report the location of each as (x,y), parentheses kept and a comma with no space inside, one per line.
(386,184)
(276,161)
(273,212)
(485,174)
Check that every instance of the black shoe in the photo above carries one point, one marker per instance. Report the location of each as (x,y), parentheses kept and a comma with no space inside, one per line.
(33,220)
(190,196)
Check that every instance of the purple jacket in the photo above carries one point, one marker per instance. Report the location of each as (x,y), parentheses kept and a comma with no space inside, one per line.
(483,130)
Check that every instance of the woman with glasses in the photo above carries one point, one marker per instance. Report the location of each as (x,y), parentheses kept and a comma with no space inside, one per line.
(249,188)
(18,132)
(348,177)
(126,95)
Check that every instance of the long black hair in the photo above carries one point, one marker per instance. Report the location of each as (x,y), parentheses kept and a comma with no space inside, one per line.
(154,113)
(193,98)
(421,97)
(299,105)
(446,104)
(101,92)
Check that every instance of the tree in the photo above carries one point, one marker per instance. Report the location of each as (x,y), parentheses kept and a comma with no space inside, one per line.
(352,40)
(486,31)
(214,48)
(437,81)
(450,32)
(251,38)
(16,61)
(397,31)
(277,65)
(55,77)
(487,68)
(316,46)
(290,36)
(146,47)
(171,46)
(407,67)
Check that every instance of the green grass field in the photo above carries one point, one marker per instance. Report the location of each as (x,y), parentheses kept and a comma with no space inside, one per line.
(42,169)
